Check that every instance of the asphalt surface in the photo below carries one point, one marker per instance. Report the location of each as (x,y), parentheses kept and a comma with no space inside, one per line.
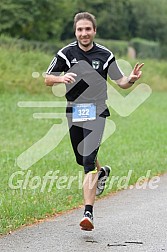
(130,220)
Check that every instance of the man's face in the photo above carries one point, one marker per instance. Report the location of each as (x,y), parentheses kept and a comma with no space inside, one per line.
(85,32)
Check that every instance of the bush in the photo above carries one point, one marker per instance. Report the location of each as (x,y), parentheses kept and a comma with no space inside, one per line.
(163,51)
(27,45)
(118,47)
(145,48)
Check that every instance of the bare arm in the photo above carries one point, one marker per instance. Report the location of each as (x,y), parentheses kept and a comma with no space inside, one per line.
(67,78)
(126,82)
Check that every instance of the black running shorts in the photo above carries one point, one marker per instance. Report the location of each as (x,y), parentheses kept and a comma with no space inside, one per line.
(85,139)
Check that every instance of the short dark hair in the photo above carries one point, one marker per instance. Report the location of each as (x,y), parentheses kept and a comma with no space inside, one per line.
(85,15)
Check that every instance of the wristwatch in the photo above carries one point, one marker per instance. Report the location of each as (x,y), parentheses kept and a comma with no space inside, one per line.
(131,82)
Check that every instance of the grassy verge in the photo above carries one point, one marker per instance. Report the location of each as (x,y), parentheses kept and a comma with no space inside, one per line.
(138,144)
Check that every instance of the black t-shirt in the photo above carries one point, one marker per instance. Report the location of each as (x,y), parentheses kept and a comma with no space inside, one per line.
(91,68)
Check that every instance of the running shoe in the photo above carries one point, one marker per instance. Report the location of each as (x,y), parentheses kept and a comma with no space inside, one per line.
(102,177)
(87,222)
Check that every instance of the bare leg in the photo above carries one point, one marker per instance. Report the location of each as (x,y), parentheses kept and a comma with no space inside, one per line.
(89,191)
(98,165)
(89,188)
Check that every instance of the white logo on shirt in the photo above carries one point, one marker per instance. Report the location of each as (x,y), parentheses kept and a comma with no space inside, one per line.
(74,61)
(95,64)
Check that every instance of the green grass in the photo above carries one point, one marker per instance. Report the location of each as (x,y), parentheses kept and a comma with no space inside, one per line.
(139,142)
(16,69)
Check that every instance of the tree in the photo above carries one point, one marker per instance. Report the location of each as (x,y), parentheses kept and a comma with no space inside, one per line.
(151,19)
(34,19)
(51,20)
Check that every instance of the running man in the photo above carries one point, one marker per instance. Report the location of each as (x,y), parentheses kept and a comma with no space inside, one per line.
(86,102)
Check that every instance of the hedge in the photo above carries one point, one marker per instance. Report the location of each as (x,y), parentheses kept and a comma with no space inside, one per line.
(145,48)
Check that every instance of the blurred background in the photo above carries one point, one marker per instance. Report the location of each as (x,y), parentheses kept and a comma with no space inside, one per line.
(137,23)
(31,33)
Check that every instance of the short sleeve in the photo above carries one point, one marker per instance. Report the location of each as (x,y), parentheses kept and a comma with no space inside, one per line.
(57,66)
(114,71)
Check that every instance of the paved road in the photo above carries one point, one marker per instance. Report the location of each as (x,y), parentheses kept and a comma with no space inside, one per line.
(130,220)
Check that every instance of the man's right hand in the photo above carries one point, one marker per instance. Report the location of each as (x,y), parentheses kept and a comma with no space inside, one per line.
(68,78)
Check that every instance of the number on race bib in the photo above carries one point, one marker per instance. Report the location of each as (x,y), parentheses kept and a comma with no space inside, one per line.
(84,112)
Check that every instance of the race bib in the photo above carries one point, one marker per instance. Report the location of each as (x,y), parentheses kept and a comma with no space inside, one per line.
(83,112)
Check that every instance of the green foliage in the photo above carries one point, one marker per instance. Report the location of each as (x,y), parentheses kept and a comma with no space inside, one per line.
(163,50)
(114,20)
(118,47)
(51,20)
(17,66)
(34,19)
(151,19)
(145,48)
(27,45)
